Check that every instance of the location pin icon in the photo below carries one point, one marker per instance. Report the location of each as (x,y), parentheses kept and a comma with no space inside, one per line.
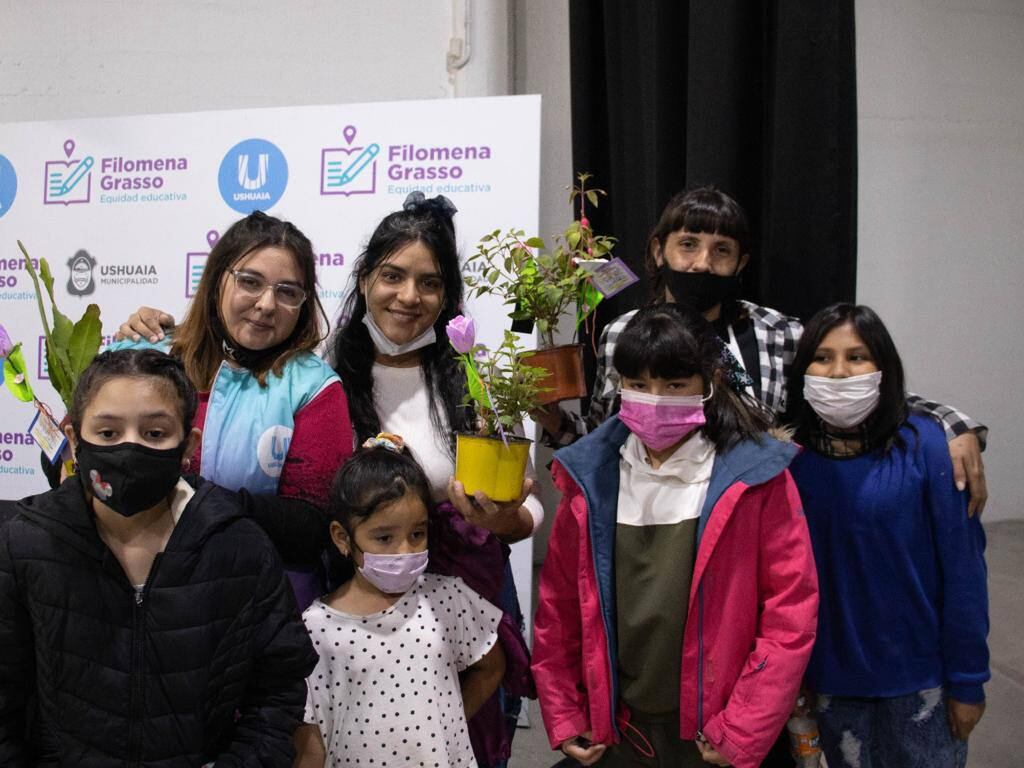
(212,237)
(349,133)
(69,147)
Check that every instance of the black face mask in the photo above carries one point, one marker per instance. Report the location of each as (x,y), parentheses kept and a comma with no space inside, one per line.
(700,290)
(128,477)
(245,357)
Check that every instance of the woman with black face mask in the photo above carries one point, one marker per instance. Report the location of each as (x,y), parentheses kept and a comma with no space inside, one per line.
(696,255)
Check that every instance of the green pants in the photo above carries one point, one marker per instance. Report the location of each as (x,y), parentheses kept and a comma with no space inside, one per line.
(662,737)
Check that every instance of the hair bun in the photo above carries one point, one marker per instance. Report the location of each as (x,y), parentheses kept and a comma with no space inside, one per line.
(440,204)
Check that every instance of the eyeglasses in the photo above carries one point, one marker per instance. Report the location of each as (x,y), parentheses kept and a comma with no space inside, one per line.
(253,286)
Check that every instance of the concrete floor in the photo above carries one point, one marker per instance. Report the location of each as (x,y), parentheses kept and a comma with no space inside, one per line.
(998,741)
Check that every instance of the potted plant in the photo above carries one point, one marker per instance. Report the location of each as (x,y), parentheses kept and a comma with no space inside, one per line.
(70,347)
(501,389)
(543,284)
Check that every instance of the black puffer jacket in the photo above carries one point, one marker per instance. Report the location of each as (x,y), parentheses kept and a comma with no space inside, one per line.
(207,664)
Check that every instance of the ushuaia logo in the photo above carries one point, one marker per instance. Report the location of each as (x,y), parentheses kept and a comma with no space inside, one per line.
(8,185)
(253,175)
(350,170)
(68,181)
(272,448)
(80,278)
(195,263)
(82,266)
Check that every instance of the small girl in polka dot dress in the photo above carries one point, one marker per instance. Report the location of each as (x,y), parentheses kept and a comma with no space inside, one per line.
(405,656)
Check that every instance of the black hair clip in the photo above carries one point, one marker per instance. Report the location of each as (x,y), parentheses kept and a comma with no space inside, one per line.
(439,203)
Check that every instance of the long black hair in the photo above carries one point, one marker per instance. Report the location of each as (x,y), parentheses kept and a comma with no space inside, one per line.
(882,426)
(671,341)
(429,222)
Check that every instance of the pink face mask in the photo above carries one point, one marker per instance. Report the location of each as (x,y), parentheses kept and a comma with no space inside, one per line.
(393,574)
(662,420)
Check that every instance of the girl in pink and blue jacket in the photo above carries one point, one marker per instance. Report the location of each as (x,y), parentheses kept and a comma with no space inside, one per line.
(678,600)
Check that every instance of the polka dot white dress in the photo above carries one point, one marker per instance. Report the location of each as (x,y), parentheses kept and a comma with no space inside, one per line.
(386,689)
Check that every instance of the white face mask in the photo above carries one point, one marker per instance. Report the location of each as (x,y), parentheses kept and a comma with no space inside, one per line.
(843,403)
(387,347)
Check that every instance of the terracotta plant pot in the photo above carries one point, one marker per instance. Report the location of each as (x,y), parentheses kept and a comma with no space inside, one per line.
(565,379)
(487,464)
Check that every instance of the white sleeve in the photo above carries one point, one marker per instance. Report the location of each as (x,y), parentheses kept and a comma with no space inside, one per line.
(318,697)
(473,624)
(532,502)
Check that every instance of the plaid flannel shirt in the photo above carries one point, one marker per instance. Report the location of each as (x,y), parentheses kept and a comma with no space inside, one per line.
(777,337)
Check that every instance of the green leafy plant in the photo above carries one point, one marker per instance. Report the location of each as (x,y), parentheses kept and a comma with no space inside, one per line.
(542,284)
(14,372)
(501,388)
(70,347)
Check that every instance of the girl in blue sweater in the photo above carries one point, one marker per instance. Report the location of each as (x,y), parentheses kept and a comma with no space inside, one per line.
(901,650)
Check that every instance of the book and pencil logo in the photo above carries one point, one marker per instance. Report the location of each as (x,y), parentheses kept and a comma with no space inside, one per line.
(195,263)
(68,181)
(350,170)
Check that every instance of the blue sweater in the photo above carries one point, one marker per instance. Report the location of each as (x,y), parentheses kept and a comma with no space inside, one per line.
(901,569)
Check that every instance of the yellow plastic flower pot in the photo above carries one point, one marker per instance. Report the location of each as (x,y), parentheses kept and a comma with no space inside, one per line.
(487,464)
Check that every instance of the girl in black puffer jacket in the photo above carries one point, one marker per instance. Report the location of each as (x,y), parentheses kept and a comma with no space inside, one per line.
(150,622)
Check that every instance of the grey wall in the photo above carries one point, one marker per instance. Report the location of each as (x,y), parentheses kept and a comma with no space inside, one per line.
(63,59)
(941,206)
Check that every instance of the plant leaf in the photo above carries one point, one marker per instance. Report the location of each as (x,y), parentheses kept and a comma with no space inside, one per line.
(14,366)
(47,276)
(535,242)
(475,386)
(85,340)
(62,326)
(39,296)
(59,370)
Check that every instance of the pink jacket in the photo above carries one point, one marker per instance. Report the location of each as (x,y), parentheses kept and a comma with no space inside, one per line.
(752,611)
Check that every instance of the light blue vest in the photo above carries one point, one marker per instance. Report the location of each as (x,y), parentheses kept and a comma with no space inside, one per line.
(248,428)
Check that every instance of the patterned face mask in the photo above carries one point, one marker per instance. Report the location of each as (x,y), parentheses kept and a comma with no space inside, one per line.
(128,477)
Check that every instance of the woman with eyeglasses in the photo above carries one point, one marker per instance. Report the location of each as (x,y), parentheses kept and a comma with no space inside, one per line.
(248,344)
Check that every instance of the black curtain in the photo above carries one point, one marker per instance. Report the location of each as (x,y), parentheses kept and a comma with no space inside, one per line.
(757,97)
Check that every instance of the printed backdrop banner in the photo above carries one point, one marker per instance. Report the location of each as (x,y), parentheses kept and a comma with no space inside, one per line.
(125,209)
